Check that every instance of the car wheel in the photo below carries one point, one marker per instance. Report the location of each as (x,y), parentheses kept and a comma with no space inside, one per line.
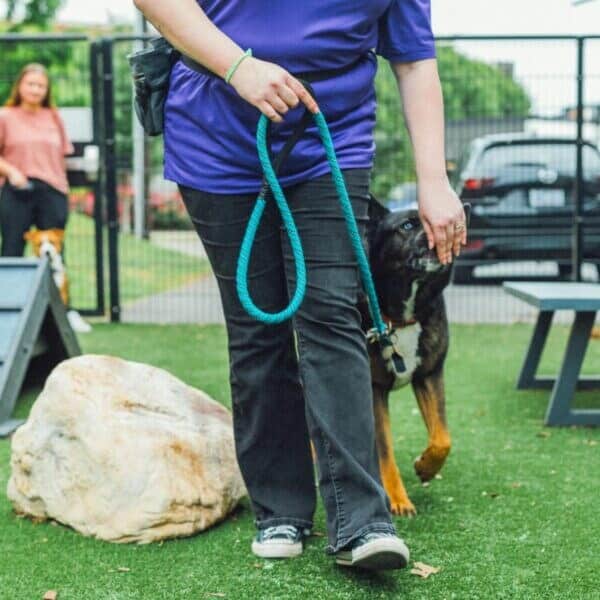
(463,274)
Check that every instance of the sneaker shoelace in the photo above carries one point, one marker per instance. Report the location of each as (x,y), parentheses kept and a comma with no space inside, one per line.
(372,535)
(287,531)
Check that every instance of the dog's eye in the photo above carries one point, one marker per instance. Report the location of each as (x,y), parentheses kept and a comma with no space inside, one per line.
(408,225)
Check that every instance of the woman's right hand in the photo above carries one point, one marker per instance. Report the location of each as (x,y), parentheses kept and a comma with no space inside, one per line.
(270,88)
(17,179)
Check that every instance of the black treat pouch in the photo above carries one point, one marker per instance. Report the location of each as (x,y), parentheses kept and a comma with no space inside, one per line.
(151,70)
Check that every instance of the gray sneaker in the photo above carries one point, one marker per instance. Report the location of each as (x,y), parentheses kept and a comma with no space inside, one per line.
(374,550)
(279,541)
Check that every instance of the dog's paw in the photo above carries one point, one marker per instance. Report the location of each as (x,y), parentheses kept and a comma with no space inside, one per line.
(429,464)
(403,508)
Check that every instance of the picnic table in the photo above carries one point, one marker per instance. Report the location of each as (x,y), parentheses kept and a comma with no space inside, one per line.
(584,299)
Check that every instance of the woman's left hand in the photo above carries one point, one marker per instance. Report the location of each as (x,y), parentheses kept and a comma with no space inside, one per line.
(443,218)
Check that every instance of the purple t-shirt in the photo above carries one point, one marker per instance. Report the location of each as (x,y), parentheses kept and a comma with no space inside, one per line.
(210,131)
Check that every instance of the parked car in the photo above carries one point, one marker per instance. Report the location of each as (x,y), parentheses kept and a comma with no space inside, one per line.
(521,188)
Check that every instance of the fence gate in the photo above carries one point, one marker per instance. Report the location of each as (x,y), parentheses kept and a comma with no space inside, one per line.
(71,68)
(157,270)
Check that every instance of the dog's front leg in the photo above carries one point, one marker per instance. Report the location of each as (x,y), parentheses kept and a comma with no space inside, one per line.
(429,391)
(390,475)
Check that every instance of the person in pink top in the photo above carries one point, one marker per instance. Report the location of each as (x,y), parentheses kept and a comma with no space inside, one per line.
(33,146)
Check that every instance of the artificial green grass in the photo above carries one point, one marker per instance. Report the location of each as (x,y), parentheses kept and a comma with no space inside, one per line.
(144,268)
(514,516)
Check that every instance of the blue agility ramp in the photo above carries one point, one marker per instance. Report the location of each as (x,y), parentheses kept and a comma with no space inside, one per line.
(34,332)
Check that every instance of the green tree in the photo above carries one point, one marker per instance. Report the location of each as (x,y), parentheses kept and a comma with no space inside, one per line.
(36,12)
(67,63)
(472,89)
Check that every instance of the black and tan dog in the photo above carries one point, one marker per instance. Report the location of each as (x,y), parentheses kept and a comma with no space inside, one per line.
(409,280)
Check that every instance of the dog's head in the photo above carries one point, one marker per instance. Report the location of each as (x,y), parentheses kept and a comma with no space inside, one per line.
(408,276)
(46,242)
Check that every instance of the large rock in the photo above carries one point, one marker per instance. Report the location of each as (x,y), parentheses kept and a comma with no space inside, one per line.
(124,452)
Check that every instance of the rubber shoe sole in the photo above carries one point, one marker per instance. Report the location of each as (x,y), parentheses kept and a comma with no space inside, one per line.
(377,555)
(276,549)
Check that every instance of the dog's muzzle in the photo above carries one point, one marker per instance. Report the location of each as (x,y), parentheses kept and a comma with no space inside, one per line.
(427,262)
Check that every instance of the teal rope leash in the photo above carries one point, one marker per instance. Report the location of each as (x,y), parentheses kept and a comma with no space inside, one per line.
(392,358)
(248,241)
(355,239)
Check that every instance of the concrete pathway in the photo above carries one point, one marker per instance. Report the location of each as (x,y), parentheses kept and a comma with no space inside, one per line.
(198,302)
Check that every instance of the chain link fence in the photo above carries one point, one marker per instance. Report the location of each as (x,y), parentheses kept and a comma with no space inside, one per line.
(519,113)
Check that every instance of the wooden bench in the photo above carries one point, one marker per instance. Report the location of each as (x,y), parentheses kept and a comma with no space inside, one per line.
(584,299)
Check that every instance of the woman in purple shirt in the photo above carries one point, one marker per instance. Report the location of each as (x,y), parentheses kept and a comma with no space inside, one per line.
(309,377)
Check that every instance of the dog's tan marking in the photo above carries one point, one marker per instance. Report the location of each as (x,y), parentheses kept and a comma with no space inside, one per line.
(430,397)
(390,474)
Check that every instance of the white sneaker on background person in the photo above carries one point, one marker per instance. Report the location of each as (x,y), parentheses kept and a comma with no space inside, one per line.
(77,323)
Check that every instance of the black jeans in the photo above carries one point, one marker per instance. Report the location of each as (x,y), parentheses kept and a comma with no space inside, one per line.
(282,392)
(43,206)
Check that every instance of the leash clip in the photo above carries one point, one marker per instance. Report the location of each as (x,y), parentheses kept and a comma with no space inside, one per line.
(393,360)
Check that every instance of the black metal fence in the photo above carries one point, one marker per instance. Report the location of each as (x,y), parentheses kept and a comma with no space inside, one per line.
(522,139)
(70,64)
(158,271)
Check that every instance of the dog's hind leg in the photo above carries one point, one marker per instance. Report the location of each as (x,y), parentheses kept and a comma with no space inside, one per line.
(429,391)
(390,475)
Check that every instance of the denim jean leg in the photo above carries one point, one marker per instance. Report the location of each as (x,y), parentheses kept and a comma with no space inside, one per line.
(270,431)
(334,364)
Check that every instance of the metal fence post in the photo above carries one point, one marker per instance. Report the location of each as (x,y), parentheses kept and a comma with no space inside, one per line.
(577,234)
(110,177)
(96,73)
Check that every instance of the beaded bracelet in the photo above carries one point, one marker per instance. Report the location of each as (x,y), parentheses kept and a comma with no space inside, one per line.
(236,64)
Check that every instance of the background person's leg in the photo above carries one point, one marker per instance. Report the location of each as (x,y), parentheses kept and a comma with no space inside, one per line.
(333,360)
(16,217)
(267,402)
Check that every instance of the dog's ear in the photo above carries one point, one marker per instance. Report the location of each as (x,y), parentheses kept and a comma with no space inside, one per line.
(376,210)
(29,236)
(59,233)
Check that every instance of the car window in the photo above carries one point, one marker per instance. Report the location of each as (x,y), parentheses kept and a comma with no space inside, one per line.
(559,157)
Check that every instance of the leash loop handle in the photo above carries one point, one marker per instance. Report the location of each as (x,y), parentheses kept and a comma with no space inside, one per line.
(270,183)
(253,224)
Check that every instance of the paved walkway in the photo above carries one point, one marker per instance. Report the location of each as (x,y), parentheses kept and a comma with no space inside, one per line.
(198,302)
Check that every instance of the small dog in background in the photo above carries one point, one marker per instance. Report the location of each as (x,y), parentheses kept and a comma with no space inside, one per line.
(49,243)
